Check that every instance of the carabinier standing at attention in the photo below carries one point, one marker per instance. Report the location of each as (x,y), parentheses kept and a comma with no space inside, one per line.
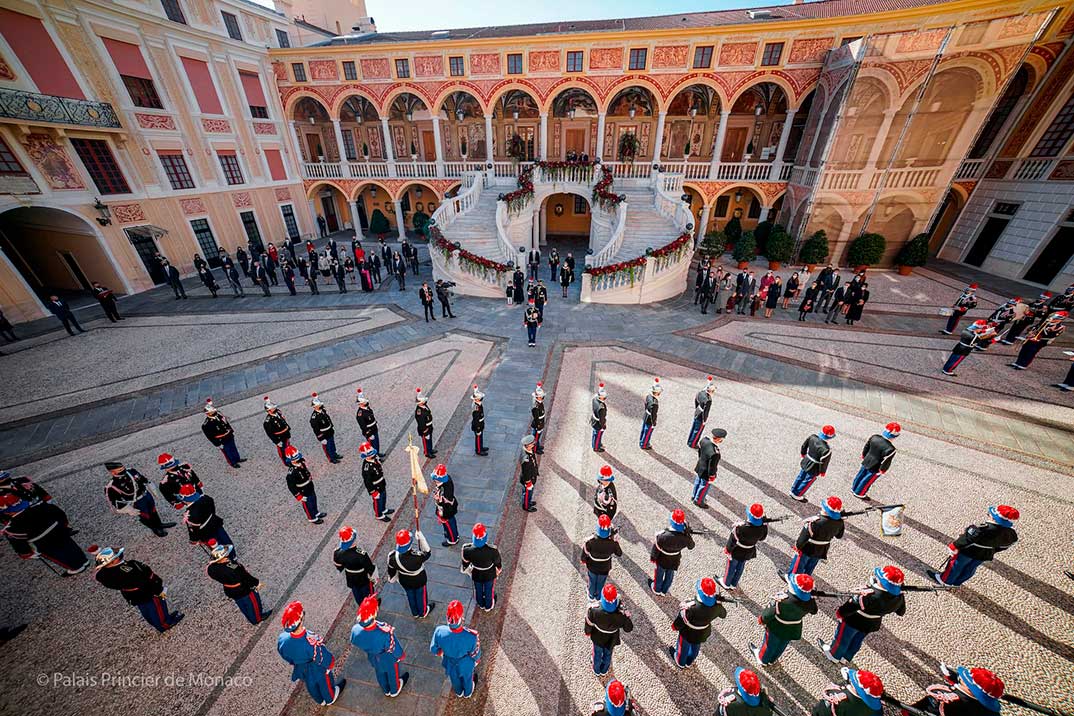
(538,418)
(702,405)
(648,421)
(300,484)
(41,530)
(782,618)
(407,566)
(963,304)
(876,459)
(967,692)
(381,646)
(708,461)
(176,475)
(745,698)
(597,553)
(239,584)
(310,660)
(862,615)
(354,562)
(477,421)
(605,498)
(202,522)
(128,492)
(482,562)
(218,430)
(978,544)
(617,701)
(666,554)
(694,622)
(367,422)
(528,473)
(277,429)
(375,484)
(447,505)
(816,455)
(598,420)
(742,544)
(459,649)
(859,696)
(816,537)
(424,418)
(22,487)
(603,621)
(139,585)
(323,430)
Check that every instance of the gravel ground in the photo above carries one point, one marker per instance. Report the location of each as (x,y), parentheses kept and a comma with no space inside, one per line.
(1016,617)
(144,351)
(78,628)
(915,362)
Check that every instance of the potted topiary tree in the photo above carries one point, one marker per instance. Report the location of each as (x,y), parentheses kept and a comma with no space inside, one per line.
(814,250)
(733,229)
(686,152)
(413,152)
(745,249)
(365,151)
(866,250)
(462,147)
(780,247)
(760,233)
(713,244)
(914,252)
(420,221)
(629,146)
(378,224)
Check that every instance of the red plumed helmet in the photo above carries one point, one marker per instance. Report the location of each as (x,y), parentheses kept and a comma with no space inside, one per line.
(606,471)
(604,521)
(455,612)
(291,451)
(402,537)
(164,458)
(1008,513)
(610,593)
(804,582)
(441,470)
(617,693)
(893,428)
(828,430)
(757,510)
(749,682)
(346,534)
(678,516)
(292,615)
(973,285)
(368,609)
(834,503)
(187,490)
(871,683)
(708,586)
(989,682)
(893,574)
(479,531)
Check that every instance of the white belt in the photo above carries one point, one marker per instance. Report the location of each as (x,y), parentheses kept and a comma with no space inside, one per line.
(867,615)
(34,539)
(784,621)
(474,566)
(682,615)
(599,559)
(400,568)
(813,541)
(603,631)
(669,554)
(303,484)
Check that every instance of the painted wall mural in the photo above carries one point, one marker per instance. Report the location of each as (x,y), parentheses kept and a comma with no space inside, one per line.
(323,70)
(52,161)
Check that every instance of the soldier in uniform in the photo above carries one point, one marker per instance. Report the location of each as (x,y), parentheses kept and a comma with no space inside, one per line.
(529,473)
(277,429)
(202,522)
(605,498)
(782,618)
(1035,310)
(1039,337)
(708,460)
(666,553)
(540,299)
(531,319)
(424,417)
(648,421)
(41,530)
(128,492)
(447,506)
(477,421)
(968,340)
(702,405)
(323,430)
(694,622)
(139,585)
(858,696)
(862,615)
(968,692)
(300,483)
(459,648)
(603,621)
(745,698)
(383,649)
(742,544)
(597,553)
(977,544)
(407,566)
(176,475)
(876,458)
(309,657)
(617,701)
(816,537)
(239,584)
(598,420)
(375,484)
(965,302)
(816,454)
(538,418)
(481,561)
(367,422)
(22,487)
(218,430)
(355,563)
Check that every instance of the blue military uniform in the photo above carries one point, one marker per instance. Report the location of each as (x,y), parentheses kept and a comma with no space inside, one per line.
(702,405)
(460,650)
(384,651)
(310,659)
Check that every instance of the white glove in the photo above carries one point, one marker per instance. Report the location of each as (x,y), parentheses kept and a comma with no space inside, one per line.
(129,510)
(423,545)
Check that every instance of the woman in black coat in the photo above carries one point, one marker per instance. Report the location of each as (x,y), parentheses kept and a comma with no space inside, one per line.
(808,301)
(775,290)
(854,312)
(207,278)
(517,279)
(791,290)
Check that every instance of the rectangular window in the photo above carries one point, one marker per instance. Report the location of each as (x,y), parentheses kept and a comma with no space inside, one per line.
(514,64)
(402,69)
(232,24)
(289,221)
(253,234)
(348,144)
(283,39)
(457,66)
(101,165)
(173,10)
(175,167)
(1005,208)
(201,81)
(721,206)
(574,61)
(637,58)
(206,241)
(1058,134)
(580,205)
(299,71)
(275,164)
(9,163)
(232,171)
(255,96)
(29,39)
(142,92)
(703,57)
(772,52)
(350,72)
(847,40)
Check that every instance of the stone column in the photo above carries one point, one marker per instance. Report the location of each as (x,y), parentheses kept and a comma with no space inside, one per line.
(535,230)
(544,137)
(313,216)
(659,146)
(544,223)
(389,153)
(354,219)
(881,139)
(298,145)
(399,222)
(438,145)
(490,143)
(717,148)
(764,214)
(598,151)
(784,137)
(344,165)
(703,222)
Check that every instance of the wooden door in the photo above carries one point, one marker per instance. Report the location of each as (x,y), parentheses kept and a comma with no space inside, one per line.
(313,143)
(528,134)
(428,147)
(574,139)
(330,217)
(734,144)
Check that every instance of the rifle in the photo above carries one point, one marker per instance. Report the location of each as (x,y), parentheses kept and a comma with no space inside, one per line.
(870,509)
(915,588)
(769,520)
(952,677)
(776,709)
(698,530)
(912,710)
(835,595)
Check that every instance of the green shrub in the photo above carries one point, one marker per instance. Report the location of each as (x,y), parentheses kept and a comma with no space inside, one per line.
(745,247)
(713,245)
(378,223)
(866,250)
(914,252)
(780,245)
(420,221)
(733,230)
(815,249)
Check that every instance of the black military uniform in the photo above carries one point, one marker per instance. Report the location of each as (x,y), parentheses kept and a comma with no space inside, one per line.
(127,489)
(367,423)
(982,542)
(23,488)
(447,506)
(538,418)
(483,564)
(424,418)
(598,420)
(218,430)
(278,431)
(408,568)
(540,298)
(878,454)
(816,454)
(648,421)
(694,620)
(842,701)
(202,522)
(865,613)
(42,528)
(477,426)
(666,554)
(359,569)
(603,627)
(605,500)
(944,700)
(174,480)
(815,539)
(730,704)
(597,553)
(300,483)
(376,486)
(708,458)
(325,432)
(237,581)
(528,477)
(142,588)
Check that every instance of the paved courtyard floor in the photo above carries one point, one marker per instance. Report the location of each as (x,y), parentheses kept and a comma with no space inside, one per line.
(129,391)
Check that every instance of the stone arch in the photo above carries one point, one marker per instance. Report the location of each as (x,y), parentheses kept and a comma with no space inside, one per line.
(457,95)
(788,91)
(399,90)
(416,183)
(700,80)
(361,186)
(312,188)
(345,97)
(293,100)
(494,99)
(861,125)
(564,86)
(633,82)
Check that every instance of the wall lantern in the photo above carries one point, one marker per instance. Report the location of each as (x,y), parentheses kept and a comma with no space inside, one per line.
(693,111)
(358,118)
(758,110)
(373,192)
(515,114)
(738,196)
(459,114)
(312,120)
(105,218)
(409,116)
(632,111)
(418,191)
(558,209)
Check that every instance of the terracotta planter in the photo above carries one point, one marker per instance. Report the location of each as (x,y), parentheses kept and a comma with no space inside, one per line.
(743,264)
(810,267)
(773,265)
(906,270)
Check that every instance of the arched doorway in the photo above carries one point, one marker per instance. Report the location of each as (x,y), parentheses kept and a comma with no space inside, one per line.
(632,112)
(464,121)
(331,207)
(945,219)
(755,124)
(56,253)
(741,202)
(411,127)
(693,118)
(574,124)
(515,112)
(316,136)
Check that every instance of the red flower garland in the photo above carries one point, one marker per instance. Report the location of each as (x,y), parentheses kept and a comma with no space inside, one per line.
(448,249)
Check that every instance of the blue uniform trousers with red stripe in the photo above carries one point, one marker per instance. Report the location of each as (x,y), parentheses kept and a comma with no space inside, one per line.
(846,642)
(451,529)
(527,496)
(418,600)
(230,450)
(802,483)
(598,437)
(662,579)
(646,436)
(537,438)
(863,481)
(695,433)
(701,488)
(952,362)
(251,607)
(959,569)
(803,564)
(596,584)
(321,684)
(735,568)
(155,611)
(427,445)
(485,594)
(771,648)
(602,660)
(380,502)
(374,440)
(686,652)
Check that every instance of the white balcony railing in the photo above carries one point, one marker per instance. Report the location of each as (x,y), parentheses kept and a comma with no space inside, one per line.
(906,178)
(743,171)
(630,170)
(970,169)
(457,169)
(416,170)
(322,170)
(369,170)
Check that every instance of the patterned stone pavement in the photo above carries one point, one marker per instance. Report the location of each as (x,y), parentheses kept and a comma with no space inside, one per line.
(60,431)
